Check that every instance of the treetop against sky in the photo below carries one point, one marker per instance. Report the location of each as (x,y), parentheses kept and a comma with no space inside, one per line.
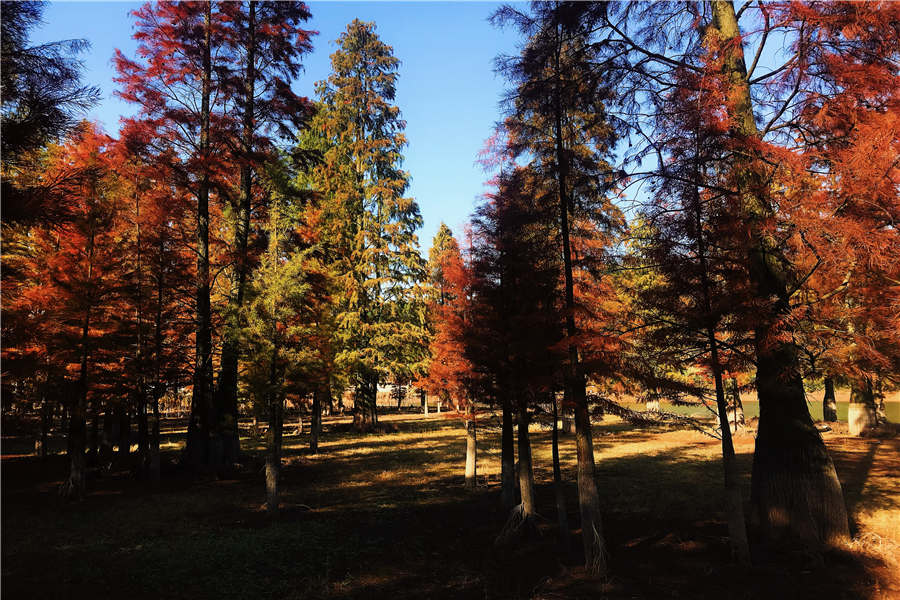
(447,90)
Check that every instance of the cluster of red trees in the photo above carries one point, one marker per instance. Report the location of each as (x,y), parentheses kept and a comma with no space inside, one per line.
(763,252)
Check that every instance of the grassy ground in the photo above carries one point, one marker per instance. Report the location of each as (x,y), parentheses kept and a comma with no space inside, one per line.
(375,516)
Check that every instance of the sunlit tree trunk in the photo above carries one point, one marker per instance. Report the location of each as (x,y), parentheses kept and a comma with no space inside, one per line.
(471,446)
(735,404)
(861,415)
(829,402)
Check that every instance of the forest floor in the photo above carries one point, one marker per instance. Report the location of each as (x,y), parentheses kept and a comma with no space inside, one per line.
(386,516)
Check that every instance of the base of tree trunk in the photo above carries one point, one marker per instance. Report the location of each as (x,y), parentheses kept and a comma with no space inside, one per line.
(860,419)
(795,491)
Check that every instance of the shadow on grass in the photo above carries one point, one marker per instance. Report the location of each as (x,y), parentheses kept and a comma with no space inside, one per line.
(373,517)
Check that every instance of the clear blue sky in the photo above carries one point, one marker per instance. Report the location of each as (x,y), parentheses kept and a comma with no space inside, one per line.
(447,90)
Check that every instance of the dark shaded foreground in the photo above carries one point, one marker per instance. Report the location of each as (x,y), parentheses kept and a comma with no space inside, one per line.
(386,516)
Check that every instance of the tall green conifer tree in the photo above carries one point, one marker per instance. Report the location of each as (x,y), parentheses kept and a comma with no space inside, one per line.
(373,226)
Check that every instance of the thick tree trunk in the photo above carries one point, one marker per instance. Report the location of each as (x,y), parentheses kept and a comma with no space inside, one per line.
(507,456)
(565,540)
(365,404)
(471,447)
(424,396)
(795,492)
(861,413)
(200,453)
(829,402)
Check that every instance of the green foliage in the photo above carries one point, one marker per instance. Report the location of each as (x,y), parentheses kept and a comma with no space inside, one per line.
(368,225)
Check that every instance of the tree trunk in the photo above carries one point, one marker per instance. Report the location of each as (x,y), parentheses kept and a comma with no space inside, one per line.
(228,374)
(861,415)
(423,395)
(45,426)
(565,540)
(316,425)
(471,447)
(143,432)
(588,498)
(365,401)
(507,457)
(74,486)
(880,409)
(829,402)
(795,492)
(94,439)
(106,440)
(276,424)
(734,504)
(735,404)
(199,452)
(124,417)
(154,442)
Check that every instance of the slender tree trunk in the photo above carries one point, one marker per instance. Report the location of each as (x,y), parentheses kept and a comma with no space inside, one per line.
(94,439)
(45,426)
(316,420)
(471,446)
(106,439)
(424,397)
(124,417)
(737,407)
(829,403)
(273,456)
(880,410)
(565,539)
(143,432)
(734,504)
(199,451)
(795,490)
(507,456)
(595,554)
(158,384)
